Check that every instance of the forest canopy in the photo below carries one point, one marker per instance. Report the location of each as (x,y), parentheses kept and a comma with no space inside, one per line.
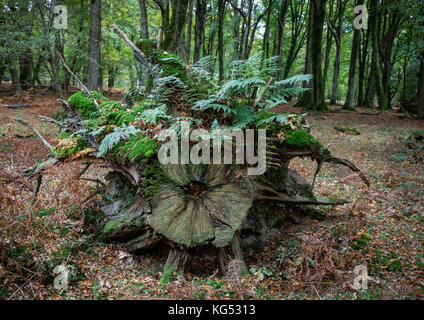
(379,62)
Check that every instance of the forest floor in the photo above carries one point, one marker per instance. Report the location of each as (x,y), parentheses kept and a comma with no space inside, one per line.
(381,228)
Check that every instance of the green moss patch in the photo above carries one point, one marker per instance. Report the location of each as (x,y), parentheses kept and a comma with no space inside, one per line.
(300,139)
(84,105)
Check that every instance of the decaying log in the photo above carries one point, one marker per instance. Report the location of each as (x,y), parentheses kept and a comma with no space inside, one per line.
(16,106)
(47,119)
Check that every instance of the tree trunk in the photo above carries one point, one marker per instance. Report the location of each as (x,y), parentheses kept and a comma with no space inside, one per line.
(297,36)
(94,45)
(356,41)
(16,85)
(281,21)
(221,16)
(144,27)
(362,64)
(236,30)
(420,93)
(314,99)
(328,45)
(175,28)
(387,45)
(189,29)
(338,38)
(375,63)
(199,28)
(26,64)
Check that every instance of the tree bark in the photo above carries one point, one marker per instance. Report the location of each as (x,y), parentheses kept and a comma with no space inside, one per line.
(199,28)
(144,27)
(420,93)
(189,29)
(221,16)
(362,64)
(314,99)
(16,85)
(338,39)
(356,41)
(175,28)
(281,21)
(297,23)
(94,45)
(375,63)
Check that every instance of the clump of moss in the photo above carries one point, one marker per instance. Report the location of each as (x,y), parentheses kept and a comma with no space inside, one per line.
(146,46)
(134,149)
(68,145)
(352,131)
(84,105)
(171,64)
(300,139)
(153,178)
(119,114)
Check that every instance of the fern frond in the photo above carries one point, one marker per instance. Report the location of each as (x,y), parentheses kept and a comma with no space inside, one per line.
(113,138)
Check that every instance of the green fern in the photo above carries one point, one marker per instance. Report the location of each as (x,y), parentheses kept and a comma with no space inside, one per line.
(113,138)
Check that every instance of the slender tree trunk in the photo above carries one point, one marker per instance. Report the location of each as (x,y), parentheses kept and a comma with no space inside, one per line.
(16,85)
(236,30)
(388,42)
(336,69)
(362,65)
(221,13)
(356,41)
(328,45)
(420,93)
(26,65)
(189,29)
(94,45)
(314,99)
(199,28)
(144,27)
(3,67)
(297,36)
(375,63)
(281,21)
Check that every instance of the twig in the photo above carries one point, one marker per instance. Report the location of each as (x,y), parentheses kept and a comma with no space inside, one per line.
(137,52)
(47,119)
(44,141)
(95,180)
(316,291)
(20,288)
(83,87)
(87,165)
(350,165)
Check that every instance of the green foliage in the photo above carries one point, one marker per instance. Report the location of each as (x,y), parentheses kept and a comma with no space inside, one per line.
(171,64)
(153,115)
(69,145)
(299,139)
(152,178)
(113,138)
(84,105)
(250,93)
(135,148)
(147,46)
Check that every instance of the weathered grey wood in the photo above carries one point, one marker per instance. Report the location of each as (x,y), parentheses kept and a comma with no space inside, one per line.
(176,260)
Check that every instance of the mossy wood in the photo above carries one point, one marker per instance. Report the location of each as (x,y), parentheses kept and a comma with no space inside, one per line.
(187,206)
(203,203)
